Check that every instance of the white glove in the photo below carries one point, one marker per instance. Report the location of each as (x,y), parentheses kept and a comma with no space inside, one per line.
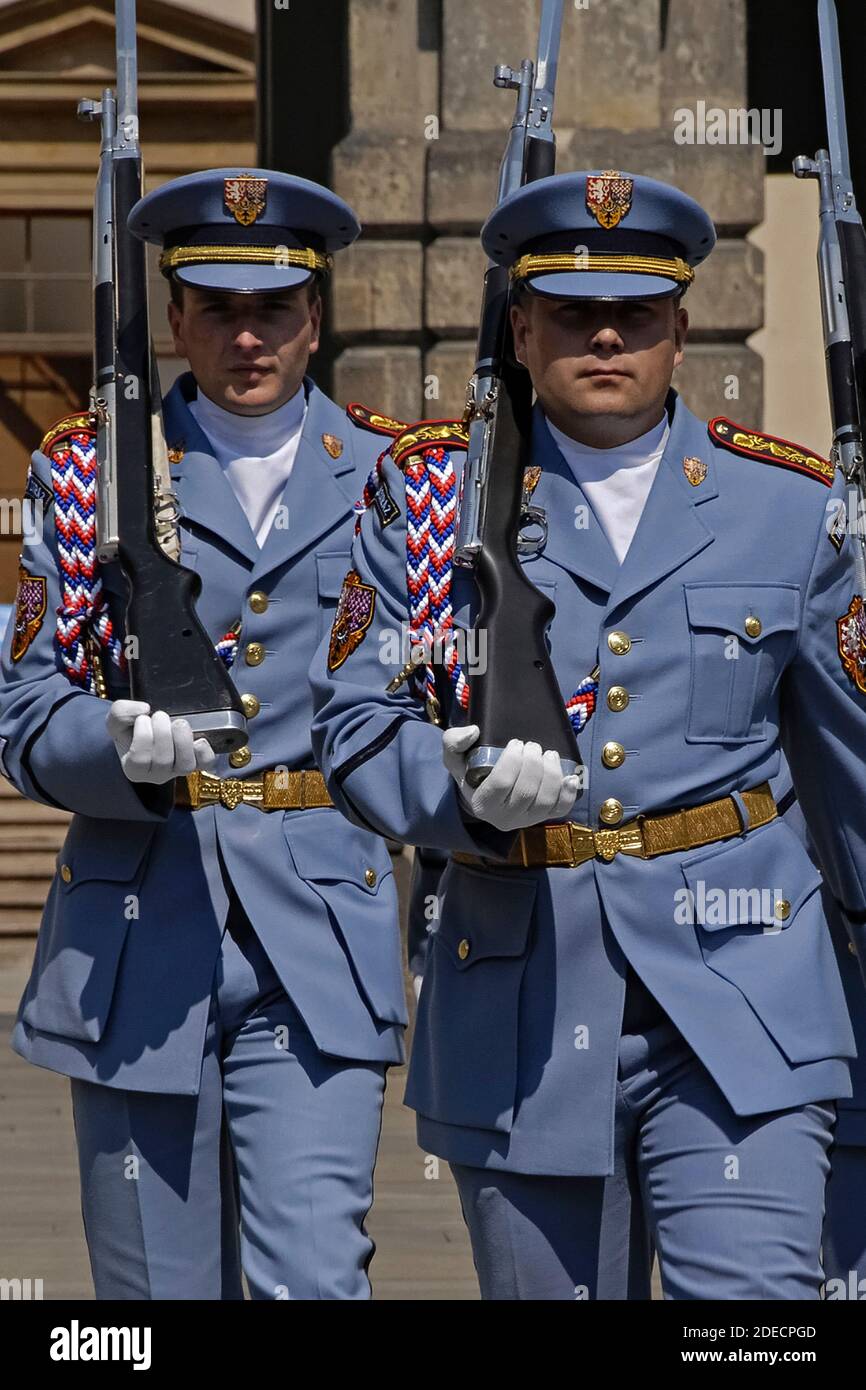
(525,787)
(155,748)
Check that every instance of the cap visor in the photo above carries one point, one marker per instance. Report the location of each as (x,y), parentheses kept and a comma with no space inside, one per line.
(593,284)
(243,279)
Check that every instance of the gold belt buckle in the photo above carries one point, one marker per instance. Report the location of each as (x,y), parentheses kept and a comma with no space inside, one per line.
(229,791)
(582,843)
(607,844)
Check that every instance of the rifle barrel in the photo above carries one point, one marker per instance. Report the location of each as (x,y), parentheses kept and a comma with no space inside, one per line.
(127,78)
(546,68)
(834,90)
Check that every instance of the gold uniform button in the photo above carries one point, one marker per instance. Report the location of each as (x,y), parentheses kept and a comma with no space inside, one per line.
(254,654)
(240,757)
(66,873)
(783,909)
(852,948)
(610,811)
(617,698)
(753,627)
(619,643)
(370,877)
(258,601)
(251,706)
(613,754)
(463,949)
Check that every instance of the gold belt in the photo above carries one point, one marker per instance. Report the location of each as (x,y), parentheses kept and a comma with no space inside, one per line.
(569,844)
(274,790)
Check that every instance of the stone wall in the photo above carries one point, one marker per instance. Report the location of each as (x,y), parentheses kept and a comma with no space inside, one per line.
(420,166)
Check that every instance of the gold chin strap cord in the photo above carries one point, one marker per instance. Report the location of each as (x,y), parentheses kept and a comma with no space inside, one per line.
(673,268)
(304,257)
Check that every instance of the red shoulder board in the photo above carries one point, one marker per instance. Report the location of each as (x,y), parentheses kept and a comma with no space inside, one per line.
(766,447)
(371,420)
(69,425)
(428,434)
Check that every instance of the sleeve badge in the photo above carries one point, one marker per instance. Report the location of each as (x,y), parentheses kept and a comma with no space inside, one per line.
(31,599)
(384,503)
(355,609)
(838,527)
(851,630)
(36,491)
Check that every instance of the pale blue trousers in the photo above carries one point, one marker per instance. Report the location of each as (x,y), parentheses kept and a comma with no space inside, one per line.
(732,1206)
(269,1169)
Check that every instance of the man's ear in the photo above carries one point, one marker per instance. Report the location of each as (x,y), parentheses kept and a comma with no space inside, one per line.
(315,323)
(519,326)
(681,331)
(175,322)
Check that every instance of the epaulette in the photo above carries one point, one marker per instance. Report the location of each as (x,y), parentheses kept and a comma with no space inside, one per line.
(409,439)
(70,424)
(427,434)
(372,421)
(769,449)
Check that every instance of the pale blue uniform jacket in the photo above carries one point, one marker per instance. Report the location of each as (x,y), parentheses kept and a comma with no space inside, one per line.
(515,1054)
(125,960)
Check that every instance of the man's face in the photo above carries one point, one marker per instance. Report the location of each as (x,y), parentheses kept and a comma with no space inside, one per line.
(600,368)
(248,352)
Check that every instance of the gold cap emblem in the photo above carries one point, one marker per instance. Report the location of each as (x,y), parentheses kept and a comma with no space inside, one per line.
(333,445)
(245,198)
(695,470)
(608,197)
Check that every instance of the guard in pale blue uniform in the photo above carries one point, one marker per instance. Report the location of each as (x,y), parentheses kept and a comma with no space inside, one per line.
(218,967)
(638,1026)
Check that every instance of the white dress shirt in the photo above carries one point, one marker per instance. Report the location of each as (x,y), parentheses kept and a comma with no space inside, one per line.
(256,453)
(616,482)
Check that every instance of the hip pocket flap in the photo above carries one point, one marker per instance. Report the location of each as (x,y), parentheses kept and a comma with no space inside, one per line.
(755,881)
(499,926)
(325,848)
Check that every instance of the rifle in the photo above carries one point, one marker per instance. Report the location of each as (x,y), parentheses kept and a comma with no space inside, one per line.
(842,275)
(171,659)
(517,695)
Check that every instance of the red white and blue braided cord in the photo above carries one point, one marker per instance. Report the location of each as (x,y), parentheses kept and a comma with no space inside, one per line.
(83,610)
(431,516)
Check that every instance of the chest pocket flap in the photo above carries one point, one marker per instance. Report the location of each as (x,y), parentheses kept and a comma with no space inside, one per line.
(741,635)
(726,607)
(331,570)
